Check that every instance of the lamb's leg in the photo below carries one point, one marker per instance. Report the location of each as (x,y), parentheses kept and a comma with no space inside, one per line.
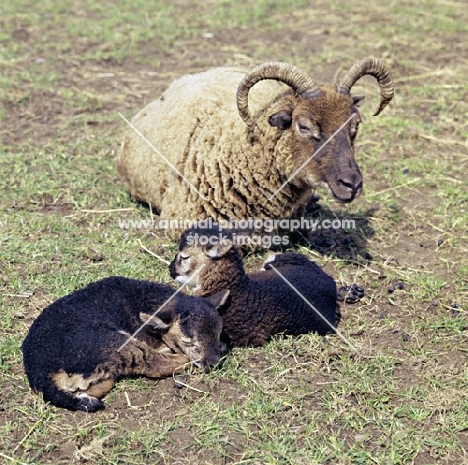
(135,358)
(76,392)
(140,359)
(101,388)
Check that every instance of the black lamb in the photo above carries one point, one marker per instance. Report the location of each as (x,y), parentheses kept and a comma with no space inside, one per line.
(80,344)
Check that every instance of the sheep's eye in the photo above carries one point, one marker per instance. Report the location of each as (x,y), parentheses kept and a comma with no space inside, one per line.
(313,130)
(186,340)
(182,257)
(189,344)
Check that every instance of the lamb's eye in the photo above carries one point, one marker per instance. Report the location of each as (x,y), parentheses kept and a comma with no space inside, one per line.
(303,128)
(186,340)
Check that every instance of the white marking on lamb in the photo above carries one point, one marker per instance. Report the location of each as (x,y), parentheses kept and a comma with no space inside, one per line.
(183,280)
(83,395)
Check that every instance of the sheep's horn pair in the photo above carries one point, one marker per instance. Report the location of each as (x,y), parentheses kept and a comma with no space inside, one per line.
(374,68)
(294,77)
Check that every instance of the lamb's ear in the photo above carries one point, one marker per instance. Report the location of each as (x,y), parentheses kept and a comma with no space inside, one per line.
(219,299)
(160,322)
(269,259)
(184,315)
(221,248)
(357,99)
(281,120)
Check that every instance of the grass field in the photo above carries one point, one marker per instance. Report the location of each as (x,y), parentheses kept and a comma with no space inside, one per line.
(402,396)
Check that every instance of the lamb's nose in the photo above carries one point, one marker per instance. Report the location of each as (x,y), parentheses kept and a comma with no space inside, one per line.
(172,270)
(209,362)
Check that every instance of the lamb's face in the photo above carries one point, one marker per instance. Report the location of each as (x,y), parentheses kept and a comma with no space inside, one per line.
(199,253)
(184,267)
(191,325)
(197,333)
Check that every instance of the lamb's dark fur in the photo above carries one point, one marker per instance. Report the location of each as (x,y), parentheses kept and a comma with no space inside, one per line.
(73,352)
(261,303)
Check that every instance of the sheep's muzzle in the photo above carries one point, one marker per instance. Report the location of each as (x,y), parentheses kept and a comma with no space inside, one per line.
(345,189)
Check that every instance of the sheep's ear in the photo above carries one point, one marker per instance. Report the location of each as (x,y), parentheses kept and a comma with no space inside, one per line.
(357,99)
(184,315)
(270,258)
(219,299)
(221,248)
(161,321)
(281,120)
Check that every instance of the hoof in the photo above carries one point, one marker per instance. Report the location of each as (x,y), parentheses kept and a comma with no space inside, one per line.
(89,403)
(350,294)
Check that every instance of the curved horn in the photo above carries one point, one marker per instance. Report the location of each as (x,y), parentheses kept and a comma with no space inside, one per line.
(294,77)
(374,68)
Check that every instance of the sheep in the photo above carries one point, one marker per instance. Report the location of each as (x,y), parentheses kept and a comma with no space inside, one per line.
(263,159)
(80,344)
(262,303)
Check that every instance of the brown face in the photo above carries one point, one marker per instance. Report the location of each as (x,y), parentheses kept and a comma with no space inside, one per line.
(197,334)
(192,326)
(192,255)
(323,142)
(187,261)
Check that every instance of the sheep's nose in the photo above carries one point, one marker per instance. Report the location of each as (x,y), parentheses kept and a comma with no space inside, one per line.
(223,347)
(353,185)
(172,270)
(210,362)
(207,366)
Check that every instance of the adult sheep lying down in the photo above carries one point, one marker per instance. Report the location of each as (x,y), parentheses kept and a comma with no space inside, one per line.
(250,155)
